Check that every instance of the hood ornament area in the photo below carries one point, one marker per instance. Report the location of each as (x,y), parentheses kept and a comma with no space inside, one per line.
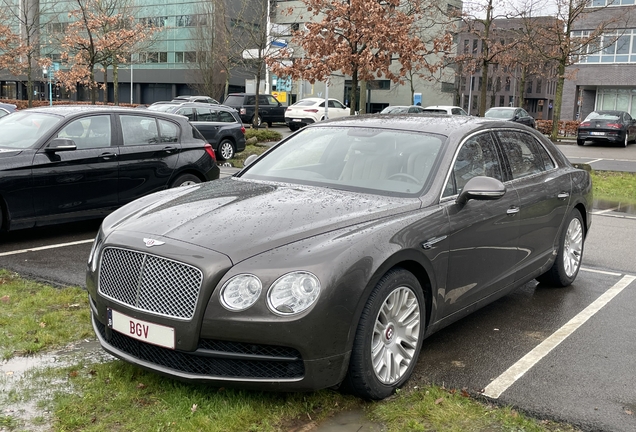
(152,242)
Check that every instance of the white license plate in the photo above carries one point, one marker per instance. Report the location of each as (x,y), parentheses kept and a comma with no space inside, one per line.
(145,331)
(597,133)
(296,120)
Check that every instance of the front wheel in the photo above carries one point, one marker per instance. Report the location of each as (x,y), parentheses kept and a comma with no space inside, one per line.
(580,142)
(226,150)
(388,338)
(568,260)
(185,180)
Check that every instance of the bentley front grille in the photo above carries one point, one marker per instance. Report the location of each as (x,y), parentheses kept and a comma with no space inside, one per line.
(149,283)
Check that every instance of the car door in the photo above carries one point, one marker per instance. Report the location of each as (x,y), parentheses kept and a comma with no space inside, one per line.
(276,109)
(483,234)
(630,123)
(544,195)
(336,109)
(208,124)
(149,152)
(80,179)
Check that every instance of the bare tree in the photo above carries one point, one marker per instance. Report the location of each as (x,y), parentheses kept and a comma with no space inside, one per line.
(557,42)
(32,17)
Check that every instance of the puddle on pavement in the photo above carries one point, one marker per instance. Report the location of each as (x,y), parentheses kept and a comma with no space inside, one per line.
(24,394)
(628,208)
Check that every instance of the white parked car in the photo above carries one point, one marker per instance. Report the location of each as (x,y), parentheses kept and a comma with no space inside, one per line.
(445,109)
(312,110)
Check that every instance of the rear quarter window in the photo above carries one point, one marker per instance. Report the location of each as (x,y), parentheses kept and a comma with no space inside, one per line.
(234,100)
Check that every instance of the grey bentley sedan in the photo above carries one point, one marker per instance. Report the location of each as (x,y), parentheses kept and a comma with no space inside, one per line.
(351,242)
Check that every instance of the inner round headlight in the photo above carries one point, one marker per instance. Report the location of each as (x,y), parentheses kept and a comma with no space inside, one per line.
(241,292)
(293,293)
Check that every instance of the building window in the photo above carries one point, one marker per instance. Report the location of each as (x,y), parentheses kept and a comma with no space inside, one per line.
(475,42)
(539,85)
(529,88)
(185,57)
(501,100)
(153,21)
(603,3)
(613,47)
(507,88)
(153,57)
(192,20)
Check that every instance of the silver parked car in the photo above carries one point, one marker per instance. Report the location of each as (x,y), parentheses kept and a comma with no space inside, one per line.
(351,242)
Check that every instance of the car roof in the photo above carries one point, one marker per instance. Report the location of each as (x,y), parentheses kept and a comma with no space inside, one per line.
(429,123)
(72,110)
(195,104)
(442,106)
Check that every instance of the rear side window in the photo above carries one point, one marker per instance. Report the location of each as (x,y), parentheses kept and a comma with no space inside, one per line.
(525,155)
(226,117)
(187,112)
(204,114)
(169,131)
(234,100)
(139,130)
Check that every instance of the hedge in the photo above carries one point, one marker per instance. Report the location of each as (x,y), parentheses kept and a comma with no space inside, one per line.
(566,127)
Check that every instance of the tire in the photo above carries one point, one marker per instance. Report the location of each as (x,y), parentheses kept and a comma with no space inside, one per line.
(294,128)
(226,150)
(269,124)
(185,180)
(580,142)
(388,335)
(568,260)
(626,139)
(259,121)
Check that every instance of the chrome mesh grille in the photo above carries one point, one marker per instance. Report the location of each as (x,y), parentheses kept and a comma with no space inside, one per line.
(149,283)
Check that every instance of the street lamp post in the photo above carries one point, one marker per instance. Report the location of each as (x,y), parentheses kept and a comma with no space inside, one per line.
(47,74)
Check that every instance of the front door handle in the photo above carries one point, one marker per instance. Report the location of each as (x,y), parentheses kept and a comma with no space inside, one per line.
(512,211)
(169,149)
(563,195)
(108,155)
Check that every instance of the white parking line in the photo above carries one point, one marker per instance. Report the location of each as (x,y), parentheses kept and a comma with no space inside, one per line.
(517,370)
(16,252)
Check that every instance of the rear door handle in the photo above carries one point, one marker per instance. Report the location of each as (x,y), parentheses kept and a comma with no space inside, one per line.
(108,155)
(512,211)
(563,195)
(169,149)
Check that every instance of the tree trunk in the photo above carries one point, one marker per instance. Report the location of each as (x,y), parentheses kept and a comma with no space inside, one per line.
(354,93)
(363,97)
(29,84)
(115,84)
(257,92)
(558,99)
(93,88)
(484,88)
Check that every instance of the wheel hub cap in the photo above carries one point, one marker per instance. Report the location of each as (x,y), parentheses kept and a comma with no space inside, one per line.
(573,247)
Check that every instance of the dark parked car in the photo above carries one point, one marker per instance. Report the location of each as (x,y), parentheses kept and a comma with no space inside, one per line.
(616,127)
(353,240)
(200,99)
(514,114)
(6,108)
(61,164)
(269,109)
(219,125)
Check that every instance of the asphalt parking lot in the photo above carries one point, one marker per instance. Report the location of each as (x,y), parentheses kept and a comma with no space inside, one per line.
(564,354)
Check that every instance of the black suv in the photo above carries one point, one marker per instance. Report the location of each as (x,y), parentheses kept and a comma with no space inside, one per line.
(269,109)
(219,125)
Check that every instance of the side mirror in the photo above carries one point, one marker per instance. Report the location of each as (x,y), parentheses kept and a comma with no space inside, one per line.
(481,188)
(249,160)
(61,144)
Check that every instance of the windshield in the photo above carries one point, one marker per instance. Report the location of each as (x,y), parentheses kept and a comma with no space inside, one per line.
(21,130)
(595,115)
(386,162)
(499,113)
(394,110)
(163,107)
(305,103)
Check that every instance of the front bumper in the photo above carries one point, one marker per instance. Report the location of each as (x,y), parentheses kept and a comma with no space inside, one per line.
(222,363)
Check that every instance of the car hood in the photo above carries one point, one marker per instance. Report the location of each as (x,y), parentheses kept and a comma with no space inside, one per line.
(242,218)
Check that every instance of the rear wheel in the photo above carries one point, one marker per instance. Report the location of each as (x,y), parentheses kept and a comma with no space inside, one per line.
(388,338)
(185,180)
(580,142)
(568,260)
(626,139)
(257,121)
(294,128)
(226,150)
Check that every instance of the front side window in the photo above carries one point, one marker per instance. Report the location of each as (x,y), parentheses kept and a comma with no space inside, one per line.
(476,157)
(88,132)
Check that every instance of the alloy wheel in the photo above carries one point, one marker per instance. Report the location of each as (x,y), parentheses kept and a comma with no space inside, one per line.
(395,335)
(573,247)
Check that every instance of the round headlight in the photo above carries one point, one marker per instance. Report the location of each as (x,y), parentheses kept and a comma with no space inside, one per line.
(293,293)
(241,292)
